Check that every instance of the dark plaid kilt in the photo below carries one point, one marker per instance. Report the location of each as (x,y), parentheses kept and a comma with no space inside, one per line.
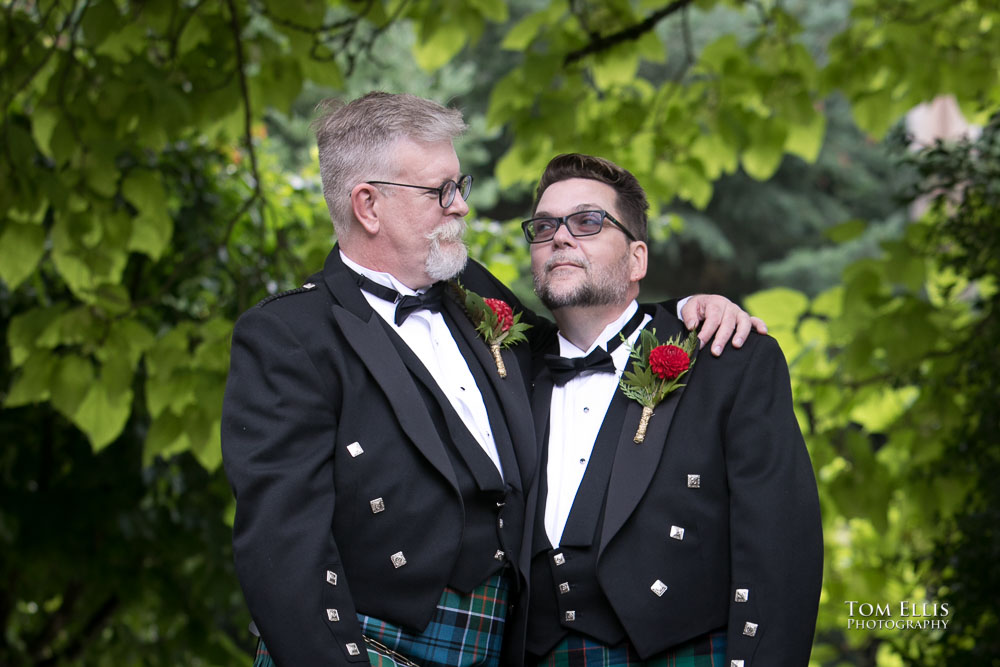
(466,631)
(579,651)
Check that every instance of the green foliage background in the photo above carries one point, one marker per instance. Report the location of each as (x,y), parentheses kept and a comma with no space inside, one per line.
(157,178)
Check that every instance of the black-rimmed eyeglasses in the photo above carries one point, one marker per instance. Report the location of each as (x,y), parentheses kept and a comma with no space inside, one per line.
(581,223)
(446,193)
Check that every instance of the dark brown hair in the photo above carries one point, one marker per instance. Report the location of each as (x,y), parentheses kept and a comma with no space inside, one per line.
(630,197)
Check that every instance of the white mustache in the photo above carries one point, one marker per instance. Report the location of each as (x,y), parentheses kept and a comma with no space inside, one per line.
(453,230)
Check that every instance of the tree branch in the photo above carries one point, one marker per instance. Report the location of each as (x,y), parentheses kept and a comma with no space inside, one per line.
(626,34)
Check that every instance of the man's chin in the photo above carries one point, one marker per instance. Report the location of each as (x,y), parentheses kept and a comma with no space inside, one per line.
(448,264)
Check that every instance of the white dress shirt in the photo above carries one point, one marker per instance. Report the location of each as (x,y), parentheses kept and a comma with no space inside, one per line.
(576,413)
(428,335)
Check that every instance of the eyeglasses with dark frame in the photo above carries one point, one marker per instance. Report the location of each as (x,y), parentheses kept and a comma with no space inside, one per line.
(446,193)
(581,223)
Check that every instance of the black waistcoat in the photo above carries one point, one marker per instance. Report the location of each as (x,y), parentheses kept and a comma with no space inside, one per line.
(565,594)
(494,508)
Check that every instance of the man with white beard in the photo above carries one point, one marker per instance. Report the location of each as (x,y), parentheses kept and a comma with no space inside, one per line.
(380,445)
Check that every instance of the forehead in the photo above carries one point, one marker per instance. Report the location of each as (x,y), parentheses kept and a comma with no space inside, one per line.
(576,194)
(436,160)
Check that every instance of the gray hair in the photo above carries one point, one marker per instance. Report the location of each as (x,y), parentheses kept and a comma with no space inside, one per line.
(355,141)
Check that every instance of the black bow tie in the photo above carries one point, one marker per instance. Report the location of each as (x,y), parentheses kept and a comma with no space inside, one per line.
(429,300)
(564,369)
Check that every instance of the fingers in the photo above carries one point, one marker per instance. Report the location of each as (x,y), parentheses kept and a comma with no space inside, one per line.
(691,312)
(726,328)
(714,318)
(743,324)
(722,321)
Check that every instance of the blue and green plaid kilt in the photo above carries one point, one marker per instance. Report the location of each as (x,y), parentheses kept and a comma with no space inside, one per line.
(466,631)
(579,651)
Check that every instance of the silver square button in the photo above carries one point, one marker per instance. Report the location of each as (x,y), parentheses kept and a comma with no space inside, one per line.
(659,588)
(750,629)
(677,532)
(742,594)
(398,559)
(331,577)
(355,450)
(570,615)
(559,559)
(333,614)
(694,481)
(352,649)
(564,587)
(378,505)
(735,663)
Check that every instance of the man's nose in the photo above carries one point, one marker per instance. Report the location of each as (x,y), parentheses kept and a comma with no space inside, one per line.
(563,238)
(458,207)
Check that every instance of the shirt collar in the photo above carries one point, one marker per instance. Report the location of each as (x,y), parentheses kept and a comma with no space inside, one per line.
(569,350)
(382,278)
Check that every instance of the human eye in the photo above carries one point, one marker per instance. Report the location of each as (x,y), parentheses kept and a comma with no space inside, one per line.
(544,225)
(588,220)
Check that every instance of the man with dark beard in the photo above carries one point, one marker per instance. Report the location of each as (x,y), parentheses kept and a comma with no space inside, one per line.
(676,514)
(379,460)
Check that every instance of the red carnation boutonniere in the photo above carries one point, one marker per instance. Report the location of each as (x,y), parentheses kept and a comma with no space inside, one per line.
(494,320)
(656,371)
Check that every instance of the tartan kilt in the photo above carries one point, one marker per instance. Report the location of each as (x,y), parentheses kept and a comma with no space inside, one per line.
(708,650)
(465,631)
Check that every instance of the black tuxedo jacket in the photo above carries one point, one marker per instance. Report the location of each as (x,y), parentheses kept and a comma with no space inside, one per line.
(320,418)
(723,460)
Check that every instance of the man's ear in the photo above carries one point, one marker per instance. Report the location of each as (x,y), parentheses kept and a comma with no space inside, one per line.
(363,203)
(638,260)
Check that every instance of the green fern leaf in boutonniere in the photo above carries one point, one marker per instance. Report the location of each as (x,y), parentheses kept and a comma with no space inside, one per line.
(494,320)
(656,371)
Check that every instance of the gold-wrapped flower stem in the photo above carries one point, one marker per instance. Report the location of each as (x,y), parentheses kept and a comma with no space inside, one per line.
(640,434)
(501,369)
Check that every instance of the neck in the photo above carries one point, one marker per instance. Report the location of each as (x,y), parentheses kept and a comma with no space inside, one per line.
(581,325)
(360,254)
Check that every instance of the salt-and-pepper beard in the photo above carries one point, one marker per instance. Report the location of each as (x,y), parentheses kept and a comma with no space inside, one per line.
(448,254)
(600,287)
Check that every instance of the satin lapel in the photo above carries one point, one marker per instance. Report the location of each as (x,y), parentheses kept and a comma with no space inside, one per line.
(365,333)
(509,391)
(635,464)
(541,404)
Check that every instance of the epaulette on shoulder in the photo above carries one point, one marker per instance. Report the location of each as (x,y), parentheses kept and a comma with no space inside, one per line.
(308,287)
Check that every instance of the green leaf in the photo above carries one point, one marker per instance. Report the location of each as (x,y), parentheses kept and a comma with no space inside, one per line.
(616,67)
(21,246)
(151,233)
(71,381)
(444,44)
(124,41)
(166,437)
(195,33)
(494,10)
(33,383)
(762,158)
(43,125)
(780,307)
(27,328)
(524,31)
(846,231)
(100,20)
(103,413)
(806,140)
(880,410)
(144,190)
